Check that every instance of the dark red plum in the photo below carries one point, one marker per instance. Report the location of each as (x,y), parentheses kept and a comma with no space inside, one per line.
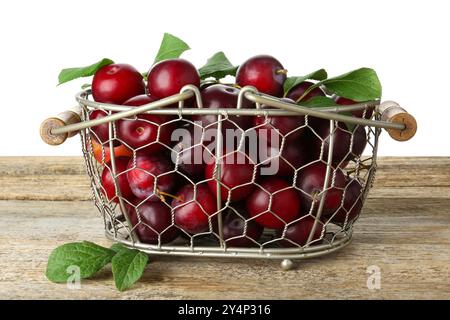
(222,96)
(191,153)
(116,83)
(343,148)
(294,155)
(285,203)
(352,203)
(299,232)
(192,211)
(107,179)
(168,77)
(311,180)
(234,232)
(276,127)
(357,113)
(153,221)
(150,170)
(142,130)
(263,72)
(236,176)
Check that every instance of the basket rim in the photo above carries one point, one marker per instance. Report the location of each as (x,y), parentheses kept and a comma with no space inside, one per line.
(83,98)
(315,250)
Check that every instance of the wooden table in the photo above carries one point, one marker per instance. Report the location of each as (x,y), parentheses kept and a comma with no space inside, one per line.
(404,230)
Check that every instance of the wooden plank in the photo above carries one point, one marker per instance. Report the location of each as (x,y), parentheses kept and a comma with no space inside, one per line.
(75,165)
(381,192)
(77,188)
(407,238)
(58,187)
(44,178)
(404,229)
(65,178)
(20,166)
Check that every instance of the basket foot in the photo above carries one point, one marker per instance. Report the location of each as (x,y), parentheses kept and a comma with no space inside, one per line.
(287,264)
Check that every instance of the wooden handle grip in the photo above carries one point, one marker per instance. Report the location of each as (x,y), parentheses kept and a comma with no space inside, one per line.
(392,112)
(63,119)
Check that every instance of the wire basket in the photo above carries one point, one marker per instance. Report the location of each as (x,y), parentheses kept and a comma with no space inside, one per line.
(316,231)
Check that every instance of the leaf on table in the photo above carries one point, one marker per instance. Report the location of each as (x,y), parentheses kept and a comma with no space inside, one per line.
(128,265)
(116,247)
(87,256)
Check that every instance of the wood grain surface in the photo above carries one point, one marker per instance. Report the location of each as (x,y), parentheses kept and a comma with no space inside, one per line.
(404,230)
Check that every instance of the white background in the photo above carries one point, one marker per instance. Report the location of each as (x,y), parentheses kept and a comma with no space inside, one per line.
(406,42)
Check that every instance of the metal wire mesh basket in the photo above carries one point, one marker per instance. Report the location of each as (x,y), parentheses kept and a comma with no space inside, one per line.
(316,231)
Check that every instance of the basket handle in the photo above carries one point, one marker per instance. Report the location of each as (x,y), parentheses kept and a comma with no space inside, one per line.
(63,119)
(391,111)
(400,125)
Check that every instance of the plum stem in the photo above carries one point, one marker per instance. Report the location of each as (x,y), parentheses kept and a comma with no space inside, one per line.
(162,196)
(140,130)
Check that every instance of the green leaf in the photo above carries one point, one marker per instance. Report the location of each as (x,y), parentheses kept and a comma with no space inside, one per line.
(171,47)
(70,74)
(116,247)
(291,82)
(128,265)
(218,67)
(321,102)
(358,85)
(88,256)
(318,102)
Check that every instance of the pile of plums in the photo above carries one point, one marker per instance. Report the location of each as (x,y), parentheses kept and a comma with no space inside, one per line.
(169,185)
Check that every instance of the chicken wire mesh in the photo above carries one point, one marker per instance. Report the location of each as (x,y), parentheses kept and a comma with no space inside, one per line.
(318,229)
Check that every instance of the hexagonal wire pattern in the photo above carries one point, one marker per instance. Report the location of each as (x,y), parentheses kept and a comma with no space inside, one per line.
(333,236)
